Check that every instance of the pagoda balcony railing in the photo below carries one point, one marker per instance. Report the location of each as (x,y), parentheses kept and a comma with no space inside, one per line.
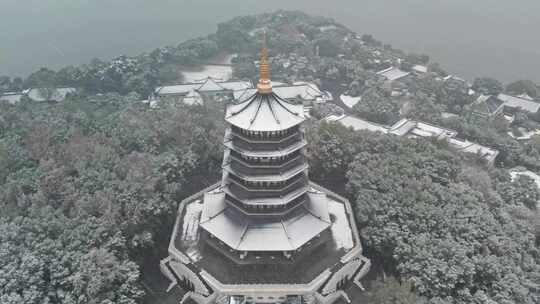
(264,135)
(271,150)
(267,170)
(268,164)
(263,140)
(243,192)
(298,179)
(261,175)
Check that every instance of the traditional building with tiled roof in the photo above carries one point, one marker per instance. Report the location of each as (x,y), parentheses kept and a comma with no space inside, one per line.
(520,103)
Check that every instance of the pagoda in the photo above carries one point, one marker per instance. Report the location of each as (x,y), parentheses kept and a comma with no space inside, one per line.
(265,233)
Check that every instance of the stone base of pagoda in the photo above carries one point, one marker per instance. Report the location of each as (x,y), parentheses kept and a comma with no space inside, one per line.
(327,288)
(325,274)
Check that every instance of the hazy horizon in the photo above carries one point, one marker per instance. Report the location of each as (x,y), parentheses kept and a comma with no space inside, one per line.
(470,39)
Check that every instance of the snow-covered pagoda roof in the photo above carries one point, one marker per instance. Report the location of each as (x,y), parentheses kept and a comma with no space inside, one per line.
(264,113)
(244,233)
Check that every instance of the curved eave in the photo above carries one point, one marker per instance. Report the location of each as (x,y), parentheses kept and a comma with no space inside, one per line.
(247,189)
(245,233)
(265,113)
(269,153)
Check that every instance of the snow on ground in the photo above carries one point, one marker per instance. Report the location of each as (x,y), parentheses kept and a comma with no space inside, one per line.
(221,72)
(515,173)
(341,229)
(525,134)
(190,228)
(350,101)
(229,58)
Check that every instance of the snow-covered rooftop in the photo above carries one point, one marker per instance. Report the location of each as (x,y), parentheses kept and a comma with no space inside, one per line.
(358,124)
(206,85)
(402,127)
(516,102)
(350,101)
(420,68)
(420,129)
(215,71)
(427,130)
(244,233)
(11,98)
(411,128)
(469,147)
(393,73)
(180,89)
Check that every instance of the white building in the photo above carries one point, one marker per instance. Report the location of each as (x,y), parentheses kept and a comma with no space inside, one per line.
(412,129)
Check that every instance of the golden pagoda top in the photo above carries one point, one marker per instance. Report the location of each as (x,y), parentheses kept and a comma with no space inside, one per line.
(265,85)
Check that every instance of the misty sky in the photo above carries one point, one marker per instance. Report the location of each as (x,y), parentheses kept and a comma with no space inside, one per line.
(470,38)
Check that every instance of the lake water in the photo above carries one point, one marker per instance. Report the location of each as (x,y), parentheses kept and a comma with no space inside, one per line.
(470,38)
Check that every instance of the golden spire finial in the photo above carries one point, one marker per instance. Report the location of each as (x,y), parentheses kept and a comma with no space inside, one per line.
(265,85)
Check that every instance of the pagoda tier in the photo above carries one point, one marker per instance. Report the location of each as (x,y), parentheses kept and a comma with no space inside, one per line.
(247,232)
(265,150)
(268,160)
(244,190)
(269,174)
(273,166)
